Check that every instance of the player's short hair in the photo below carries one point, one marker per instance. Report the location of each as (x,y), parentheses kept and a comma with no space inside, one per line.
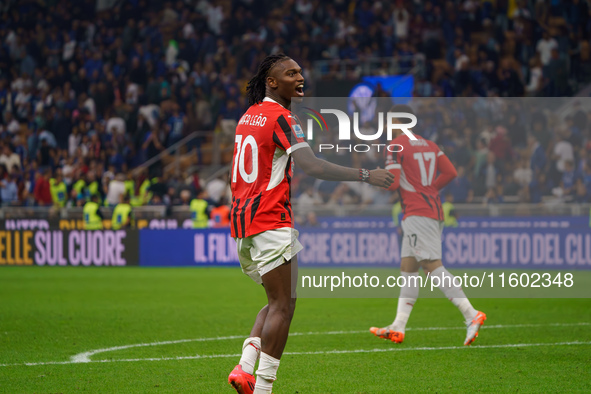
(255,90)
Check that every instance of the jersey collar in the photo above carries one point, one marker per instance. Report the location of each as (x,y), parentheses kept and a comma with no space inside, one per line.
(271,100)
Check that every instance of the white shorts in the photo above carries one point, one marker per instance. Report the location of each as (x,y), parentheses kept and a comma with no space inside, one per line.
(421,238)
(263,252)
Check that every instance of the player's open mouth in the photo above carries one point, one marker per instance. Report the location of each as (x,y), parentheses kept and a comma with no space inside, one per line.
(300,89)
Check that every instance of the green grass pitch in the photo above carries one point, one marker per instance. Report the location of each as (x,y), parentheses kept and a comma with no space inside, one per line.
(48,315)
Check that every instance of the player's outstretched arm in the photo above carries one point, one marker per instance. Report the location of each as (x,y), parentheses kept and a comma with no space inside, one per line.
(447,172)
(327,171)
(394,169)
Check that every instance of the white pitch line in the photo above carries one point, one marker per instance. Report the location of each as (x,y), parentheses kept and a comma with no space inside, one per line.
(85,356)
(380,350)
(503,326)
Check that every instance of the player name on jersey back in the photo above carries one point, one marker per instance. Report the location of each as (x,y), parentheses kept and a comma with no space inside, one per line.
(253,120)
(417,142)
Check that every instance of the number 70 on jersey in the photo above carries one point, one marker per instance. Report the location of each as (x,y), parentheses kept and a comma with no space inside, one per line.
(240,159)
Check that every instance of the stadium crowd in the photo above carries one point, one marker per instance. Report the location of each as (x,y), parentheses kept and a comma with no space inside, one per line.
(87,95)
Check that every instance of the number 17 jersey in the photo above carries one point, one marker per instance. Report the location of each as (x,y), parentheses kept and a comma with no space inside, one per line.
(418,164)
(266,136)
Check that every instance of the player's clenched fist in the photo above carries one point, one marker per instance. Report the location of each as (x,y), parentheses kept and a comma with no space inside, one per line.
(381,178)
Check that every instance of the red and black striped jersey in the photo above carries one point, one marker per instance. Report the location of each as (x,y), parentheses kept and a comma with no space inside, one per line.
(262,169)
(418,163)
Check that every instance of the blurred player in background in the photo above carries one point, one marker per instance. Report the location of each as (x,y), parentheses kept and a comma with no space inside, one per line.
(261,217)
(421,170)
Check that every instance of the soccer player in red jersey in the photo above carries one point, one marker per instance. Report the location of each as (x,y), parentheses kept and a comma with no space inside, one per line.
(267,138)
(421,170)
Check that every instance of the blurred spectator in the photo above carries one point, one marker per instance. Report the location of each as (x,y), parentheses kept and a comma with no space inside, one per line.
(523,174)
(156,200)
(581,195)
(557,74)
(170,198)
(58,190)
(563,152)
(115,190)
(480,156)
(538,156)
(516,131)
(8,188)
(42,190)
(220,215)
(344,195)
(460,188)
(158,188)
(536,77)
(174,125)
(8,158)
(545,46)
(217,188)
(308,199)
(500,144)
(200,207)
(44,154)
(489,172)
(569,177)
(115,125)
(123,216)
(539,187)
(461,154)
(494,195)
(12,125)
(400,20)
(449,211)
(508,184)
(311,220)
